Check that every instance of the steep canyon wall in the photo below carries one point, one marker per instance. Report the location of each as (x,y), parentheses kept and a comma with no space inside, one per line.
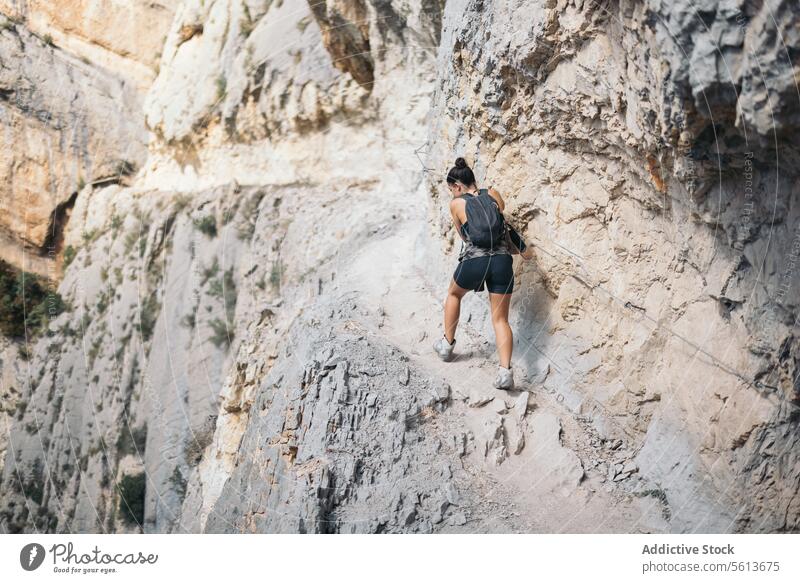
(260,243)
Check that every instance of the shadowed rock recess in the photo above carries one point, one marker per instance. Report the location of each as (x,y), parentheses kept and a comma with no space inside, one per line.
(240,209)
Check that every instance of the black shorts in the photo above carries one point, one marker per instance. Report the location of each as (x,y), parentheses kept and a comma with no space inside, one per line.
(496,271)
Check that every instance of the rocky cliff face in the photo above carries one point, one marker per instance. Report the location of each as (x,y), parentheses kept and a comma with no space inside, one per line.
(246,344)
(72,79)
(650,151)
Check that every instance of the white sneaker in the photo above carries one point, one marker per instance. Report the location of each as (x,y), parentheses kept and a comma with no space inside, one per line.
(444,349)
(504,380)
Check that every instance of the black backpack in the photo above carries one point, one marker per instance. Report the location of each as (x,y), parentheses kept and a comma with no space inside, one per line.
(487,227)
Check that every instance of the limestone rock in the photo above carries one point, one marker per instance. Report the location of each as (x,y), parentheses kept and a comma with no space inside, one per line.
(562,470)
(227,335)
(66,124)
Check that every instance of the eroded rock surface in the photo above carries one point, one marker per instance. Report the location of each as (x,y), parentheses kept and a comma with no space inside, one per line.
(69,117)
(248,342)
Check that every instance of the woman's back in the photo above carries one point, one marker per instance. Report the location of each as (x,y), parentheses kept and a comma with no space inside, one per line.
(469,250)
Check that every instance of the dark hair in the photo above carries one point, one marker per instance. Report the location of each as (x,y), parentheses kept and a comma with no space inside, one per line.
(461,173)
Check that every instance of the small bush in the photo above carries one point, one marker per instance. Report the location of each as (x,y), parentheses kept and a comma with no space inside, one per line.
(131,498)
(86,320)
(190,320)
(132,441)
(102,301)
(124,168)
(222,333)
(116,223)
(207,225)
(225,289)
(94,351)
(246,231)
(275,275)
(229,295)
(130,239)
(222,85)
(27,302)
(181,202)
(33,484)
(178,482)
(148,316)
(209,272)
(246,26)
(303,23)
(659,495)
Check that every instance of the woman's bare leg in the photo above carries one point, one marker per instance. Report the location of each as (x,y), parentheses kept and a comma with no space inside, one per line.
(452,310)
(502,330)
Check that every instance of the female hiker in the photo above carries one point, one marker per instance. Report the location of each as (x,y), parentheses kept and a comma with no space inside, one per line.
(485,260)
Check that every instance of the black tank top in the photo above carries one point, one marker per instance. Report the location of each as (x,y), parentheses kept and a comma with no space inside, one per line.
(470,251)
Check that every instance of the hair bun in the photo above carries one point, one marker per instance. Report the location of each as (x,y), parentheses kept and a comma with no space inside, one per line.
(461,163)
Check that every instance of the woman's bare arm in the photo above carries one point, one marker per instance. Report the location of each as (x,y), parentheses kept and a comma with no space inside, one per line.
(453,213)
(496,195)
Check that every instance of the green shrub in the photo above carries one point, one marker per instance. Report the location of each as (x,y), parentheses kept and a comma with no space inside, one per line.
(130,239)
(207,225)
(132,441)
(94,351)
(178,482)
(246,26)
(275,275)
(246,231)
(33,484)
(209,272)
(181,202)
(303,23)
(229,294)
(148,315)
(222,85)
(124,168)
(222,333)
(27,302)
(102,301)
(131,498)
(190,320)
(116,223)
(69,255)
(86,320)
(225,289)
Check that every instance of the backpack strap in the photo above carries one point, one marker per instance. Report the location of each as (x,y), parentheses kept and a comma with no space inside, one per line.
(486,192)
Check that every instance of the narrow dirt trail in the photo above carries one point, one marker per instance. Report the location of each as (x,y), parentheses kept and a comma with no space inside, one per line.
(536,465)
